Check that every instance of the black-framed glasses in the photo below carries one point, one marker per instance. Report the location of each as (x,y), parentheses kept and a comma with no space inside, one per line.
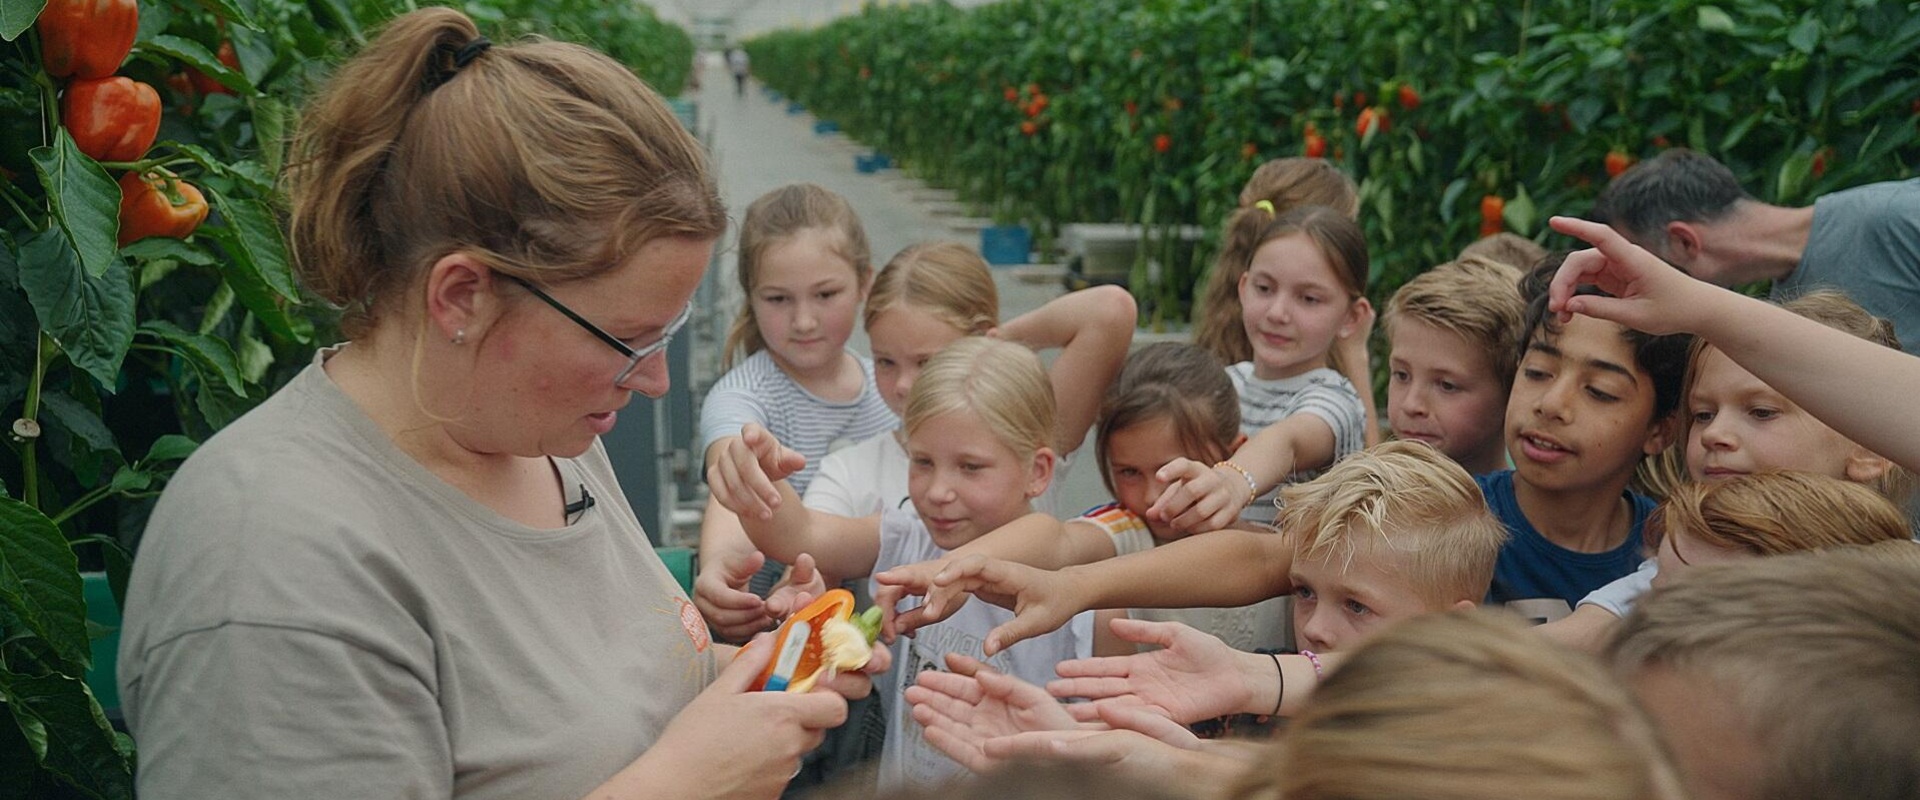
(634,355)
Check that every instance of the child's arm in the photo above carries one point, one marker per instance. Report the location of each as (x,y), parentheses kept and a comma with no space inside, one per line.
(1191,677)
(1356,363)
(1238,568)
(1199,497)
(1855,386)
(1037,540)
(785,528)
(1092,328)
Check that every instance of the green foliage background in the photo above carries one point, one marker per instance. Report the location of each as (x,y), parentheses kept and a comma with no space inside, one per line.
(1520,100)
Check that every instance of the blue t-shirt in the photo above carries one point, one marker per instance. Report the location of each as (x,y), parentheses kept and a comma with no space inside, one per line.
(1532,568)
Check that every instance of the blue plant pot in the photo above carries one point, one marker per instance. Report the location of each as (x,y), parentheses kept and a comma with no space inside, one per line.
(824,127)
(795,108)
(1001,245)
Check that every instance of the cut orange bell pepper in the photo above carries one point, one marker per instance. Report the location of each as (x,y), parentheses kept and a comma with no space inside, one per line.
(807,648)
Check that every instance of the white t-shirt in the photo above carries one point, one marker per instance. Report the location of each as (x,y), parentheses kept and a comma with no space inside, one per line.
(907,759)
(1323,393)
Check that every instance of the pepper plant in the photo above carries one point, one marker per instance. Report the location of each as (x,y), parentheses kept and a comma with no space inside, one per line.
(146,297)
(1158,111)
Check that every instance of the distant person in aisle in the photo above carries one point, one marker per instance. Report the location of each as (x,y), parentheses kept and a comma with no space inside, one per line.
(739,64)
(1689,210)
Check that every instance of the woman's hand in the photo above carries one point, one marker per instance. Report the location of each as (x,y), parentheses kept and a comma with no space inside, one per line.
(1199,498)
(1648,294)
(1193,677)
(744,469)
(963,709)
(701,753)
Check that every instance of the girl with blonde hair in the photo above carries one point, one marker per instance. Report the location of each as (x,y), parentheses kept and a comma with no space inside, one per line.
(980,427)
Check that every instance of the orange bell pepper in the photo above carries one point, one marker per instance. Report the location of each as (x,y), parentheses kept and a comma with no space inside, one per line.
(818,641)
(156,203)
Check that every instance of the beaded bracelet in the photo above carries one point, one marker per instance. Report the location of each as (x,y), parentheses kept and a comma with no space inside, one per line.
(1282,693)
(1314,659)
(1253,489)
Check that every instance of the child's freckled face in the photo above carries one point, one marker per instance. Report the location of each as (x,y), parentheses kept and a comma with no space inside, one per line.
(1441,390)
(1581,412)
(1338,602)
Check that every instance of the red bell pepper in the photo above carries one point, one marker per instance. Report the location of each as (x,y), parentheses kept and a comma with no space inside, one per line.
(111,119)
(86,38)
(155,203)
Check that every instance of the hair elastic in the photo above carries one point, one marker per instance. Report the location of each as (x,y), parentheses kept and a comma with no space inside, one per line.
(1282,693)
(470,51)
(1267,206)
(461,57)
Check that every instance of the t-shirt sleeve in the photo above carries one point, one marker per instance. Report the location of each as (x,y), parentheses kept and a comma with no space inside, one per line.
(1618,597)
(728,407)
(1339,407)
(236,720)
(1129,532)
(836,489)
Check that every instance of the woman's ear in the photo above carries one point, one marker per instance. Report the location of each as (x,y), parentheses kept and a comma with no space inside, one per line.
(460,299)
(1865,466)
(1040,472)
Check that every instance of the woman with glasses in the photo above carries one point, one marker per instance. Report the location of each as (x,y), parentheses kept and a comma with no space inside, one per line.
(386,580)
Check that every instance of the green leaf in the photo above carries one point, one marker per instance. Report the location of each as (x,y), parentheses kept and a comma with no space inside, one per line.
(255,357)
(1714,20)
(90,318)
(128,479)
(252,289)
(258,235)
(162,248)
(1584,112)
(1792,178)
(211,357)
(171,447)
(199,57)
(16,16)
(78,745)
(270,119)
(80,421)
(226,9)
(1806,35)
(1451,198)
(40,582)
(86,201)
(1520,213)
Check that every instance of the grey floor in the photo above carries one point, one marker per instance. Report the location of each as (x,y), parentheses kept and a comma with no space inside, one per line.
(758,146)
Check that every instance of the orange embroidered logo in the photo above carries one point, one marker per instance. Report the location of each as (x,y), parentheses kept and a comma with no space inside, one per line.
(696,626)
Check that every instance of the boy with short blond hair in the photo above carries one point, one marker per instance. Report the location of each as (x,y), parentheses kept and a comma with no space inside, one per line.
(1454,334)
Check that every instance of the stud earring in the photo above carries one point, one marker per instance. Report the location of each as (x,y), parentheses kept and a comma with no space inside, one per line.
(460,336)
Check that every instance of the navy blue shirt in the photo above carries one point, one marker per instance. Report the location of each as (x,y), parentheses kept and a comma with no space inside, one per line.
(1532,568)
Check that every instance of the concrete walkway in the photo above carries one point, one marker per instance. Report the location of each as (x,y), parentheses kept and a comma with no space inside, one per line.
(758,146)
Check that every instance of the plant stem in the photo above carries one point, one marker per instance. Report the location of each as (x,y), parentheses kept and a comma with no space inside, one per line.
(29,454)
(86,501)
(12,190)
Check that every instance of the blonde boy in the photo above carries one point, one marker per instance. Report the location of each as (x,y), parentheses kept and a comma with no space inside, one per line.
(1507,248)
(1454,335)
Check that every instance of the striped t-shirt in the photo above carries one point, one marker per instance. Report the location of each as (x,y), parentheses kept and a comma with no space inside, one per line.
(1323,393)
(756,390)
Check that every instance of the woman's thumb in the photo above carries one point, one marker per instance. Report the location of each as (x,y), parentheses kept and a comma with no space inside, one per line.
(746,666)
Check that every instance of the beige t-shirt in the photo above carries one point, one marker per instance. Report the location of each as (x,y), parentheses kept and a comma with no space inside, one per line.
(314,614)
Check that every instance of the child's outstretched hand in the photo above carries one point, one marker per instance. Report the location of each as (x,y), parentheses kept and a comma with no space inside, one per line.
(1648,294)
(746,467)
(1198,497)
(963,709)
(1041,600)
(1193,677)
